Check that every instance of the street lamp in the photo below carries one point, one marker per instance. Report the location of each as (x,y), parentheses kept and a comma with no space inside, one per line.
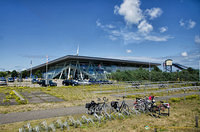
(46,69)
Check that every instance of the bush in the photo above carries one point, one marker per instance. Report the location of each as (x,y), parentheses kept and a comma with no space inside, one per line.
(175,99)
(192,97)
(155,75)
(21,101)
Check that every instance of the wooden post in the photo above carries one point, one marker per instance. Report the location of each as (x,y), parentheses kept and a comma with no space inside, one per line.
(196,121)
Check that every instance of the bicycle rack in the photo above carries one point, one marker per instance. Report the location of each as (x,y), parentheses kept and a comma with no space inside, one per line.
(99,118)
(136,111)
(66,125)
(120,115)
(37,129)
(75,123)
(28,126)
(88,120)
(44,125)
(52,127)
(126,113)
(60,124)
(20,129)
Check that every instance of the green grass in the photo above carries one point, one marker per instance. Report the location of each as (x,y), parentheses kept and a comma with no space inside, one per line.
(182,118)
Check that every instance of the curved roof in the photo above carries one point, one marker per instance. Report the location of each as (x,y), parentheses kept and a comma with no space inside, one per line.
(105,60)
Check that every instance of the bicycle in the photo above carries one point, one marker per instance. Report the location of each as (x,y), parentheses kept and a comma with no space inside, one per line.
(148,105)
(91,107)
(102,106)
(123,108)
(97,108)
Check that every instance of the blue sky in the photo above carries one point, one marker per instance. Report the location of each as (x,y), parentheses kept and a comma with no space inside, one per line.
(142,30)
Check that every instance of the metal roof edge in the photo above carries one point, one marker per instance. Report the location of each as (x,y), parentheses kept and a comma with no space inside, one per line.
(91,58)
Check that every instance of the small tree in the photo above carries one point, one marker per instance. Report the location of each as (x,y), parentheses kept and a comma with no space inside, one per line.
(14,73)
(3,74)
(155,68)
(24,74)
(38,74)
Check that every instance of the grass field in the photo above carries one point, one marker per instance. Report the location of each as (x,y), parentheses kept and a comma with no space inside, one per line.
(77,95)
(182,118)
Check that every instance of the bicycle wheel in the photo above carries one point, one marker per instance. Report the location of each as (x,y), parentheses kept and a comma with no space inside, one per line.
(125,108)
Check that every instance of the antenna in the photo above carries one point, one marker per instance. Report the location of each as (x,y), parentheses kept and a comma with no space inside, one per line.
(77,53)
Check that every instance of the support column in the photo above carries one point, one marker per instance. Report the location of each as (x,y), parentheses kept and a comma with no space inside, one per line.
(69,71)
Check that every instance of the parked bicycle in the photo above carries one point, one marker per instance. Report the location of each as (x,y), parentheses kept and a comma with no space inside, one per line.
(148,105)
(123,108)
(98,108)
(102,107)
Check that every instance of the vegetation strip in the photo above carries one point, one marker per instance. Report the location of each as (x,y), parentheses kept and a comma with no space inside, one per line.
(21,98)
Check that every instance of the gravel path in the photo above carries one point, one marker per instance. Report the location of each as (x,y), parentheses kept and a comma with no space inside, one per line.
(42,114)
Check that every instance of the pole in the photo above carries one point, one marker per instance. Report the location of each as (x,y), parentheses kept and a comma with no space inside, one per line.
(46,69)
(31,70)
(199,70)
(149,71)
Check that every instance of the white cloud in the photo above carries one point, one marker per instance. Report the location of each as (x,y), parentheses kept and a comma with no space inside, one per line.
(128,51)
(191,24)
(131,11)
(99,24)
(112,37)
(163,29)
(188,24)
(145,27)
(154,12)
(133,37)
(184,54)
(197,39)
(181,23)
(157,38)
(133,15)
(110,26)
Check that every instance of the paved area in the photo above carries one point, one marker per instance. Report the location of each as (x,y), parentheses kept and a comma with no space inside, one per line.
(41,114)
(32,97)
(3,97)
(40,97)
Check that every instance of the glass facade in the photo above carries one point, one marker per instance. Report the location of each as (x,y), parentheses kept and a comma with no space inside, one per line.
(85,69)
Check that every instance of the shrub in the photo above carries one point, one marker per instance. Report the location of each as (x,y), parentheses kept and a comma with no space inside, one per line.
(192,97)
(175,99)
(48,89)
(21,101)
(6,100)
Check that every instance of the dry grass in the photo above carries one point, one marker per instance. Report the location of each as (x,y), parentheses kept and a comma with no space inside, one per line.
(73,96)
(182,118)
(77,95)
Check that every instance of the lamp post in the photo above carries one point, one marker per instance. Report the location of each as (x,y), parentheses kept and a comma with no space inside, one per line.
(149,71)
(31,70)
(199,70)
(46,70)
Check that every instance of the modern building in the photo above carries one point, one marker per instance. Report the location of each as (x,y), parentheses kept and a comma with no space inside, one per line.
(85,67)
